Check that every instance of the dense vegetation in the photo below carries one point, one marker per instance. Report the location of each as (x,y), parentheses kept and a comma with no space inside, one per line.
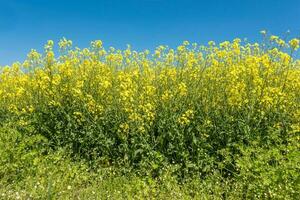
(206,122)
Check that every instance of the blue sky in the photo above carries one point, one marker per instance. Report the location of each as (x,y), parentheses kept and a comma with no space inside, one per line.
(145,24)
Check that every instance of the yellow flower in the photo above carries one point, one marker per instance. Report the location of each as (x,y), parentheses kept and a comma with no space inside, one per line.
(294,43)
(166,95)
(186,117)
(263,32)
(123,128)
(182,89)
(274,38)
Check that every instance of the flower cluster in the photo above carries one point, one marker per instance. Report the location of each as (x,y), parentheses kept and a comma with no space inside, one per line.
(85,96)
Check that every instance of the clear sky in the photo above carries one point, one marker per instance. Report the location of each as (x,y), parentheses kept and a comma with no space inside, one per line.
(145,24)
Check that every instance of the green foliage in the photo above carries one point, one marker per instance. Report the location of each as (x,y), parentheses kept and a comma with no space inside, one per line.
(214,122)
(29,169)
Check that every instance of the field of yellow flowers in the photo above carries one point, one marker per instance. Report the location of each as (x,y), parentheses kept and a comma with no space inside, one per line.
(228,110)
